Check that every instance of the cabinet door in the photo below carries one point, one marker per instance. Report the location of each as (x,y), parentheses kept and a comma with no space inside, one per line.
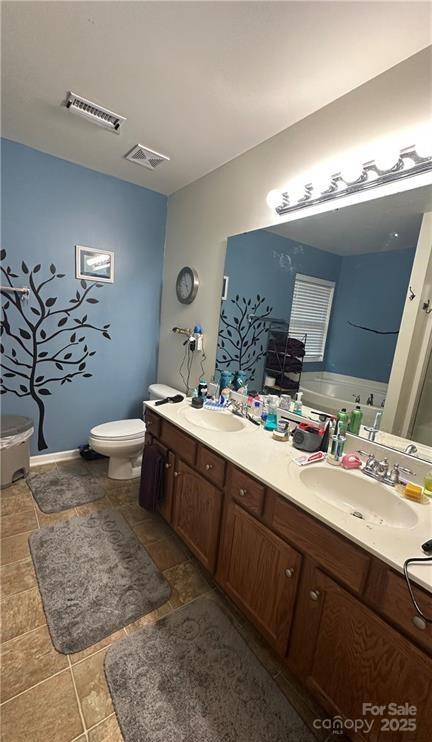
(197,513)
(259,572)
(353,657)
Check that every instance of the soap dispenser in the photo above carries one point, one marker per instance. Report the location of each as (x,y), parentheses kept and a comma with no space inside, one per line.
(298,404)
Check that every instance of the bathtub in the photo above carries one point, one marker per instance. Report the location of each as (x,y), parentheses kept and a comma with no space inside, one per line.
(329,392)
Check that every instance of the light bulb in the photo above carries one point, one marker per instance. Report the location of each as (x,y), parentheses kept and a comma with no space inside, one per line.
(387,159)
(296,191)
(321,184)
(424,146)
(352,172)
(274,199)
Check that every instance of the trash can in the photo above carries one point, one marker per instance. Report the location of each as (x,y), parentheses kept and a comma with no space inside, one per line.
(15,433)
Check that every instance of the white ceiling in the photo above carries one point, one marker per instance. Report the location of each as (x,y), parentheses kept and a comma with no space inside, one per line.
(199,81)
(364,228)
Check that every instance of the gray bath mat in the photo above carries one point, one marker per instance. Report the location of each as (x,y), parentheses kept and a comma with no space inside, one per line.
(95,577)
(191,676)
(55,491)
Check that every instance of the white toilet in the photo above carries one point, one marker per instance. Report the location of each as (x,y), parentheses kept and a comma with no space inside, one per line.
(123,440)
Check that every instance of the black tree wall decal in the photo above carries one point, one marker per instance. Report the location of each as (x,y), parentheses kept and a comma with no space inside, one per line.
(241,334)
(35,339)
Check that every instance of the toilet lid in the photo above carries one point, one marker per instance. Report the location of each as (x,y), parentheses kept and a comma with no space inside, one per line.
(119,430)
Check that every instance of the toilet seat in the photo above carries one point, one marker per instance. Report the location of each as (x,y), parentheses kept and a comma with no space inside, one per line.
(119,430)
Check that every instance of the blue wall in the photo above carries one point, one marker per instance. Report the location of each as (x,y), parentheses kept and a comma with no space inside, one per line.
(48,206)
(371,291)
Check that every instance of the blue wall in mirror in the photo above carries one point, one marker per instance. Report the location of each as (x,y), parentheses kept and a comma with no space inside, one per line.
(370,291)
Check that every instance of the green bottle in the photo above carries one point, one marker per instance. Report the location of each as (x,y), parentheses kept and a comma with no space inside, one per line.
(343,419)
(355,420)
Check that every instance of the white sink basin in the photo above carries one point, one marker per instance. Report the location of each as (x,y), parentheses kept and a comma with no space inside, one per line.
(362,497)
(222,421)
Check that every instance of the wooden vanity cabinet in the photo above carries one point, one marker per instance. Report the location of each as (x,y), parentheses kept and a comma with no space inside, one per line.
(347,656)
(260,573)
(197,512)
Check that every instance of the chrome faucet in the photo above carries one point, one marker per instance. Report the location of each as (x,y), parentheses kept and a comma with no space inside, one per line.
(375,428)
(357,399)
(238,408)
(411,449)
(381,470)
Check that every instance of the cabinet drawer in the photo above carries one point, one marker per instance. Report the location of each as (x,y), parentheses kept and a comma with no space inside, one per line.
(246,491)
(338,556)
(179,442)
(397,606)
(153,422)
(211,466)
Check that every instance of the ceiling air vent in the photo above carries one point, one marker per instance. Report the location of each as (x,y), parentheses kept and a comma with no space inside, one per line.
(146,157)
(93,112)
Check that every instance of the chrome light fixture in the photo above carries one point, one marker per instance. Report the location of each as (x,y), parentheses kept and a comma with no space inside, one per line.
(386,167)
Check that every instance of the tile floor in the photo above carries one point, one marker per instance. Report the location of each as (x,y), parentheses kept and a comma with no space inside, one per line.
(50,697)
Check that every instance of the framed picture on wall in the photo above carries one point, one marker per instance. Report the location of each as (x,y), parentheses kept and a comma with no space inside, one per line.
(225,288)
(94,265)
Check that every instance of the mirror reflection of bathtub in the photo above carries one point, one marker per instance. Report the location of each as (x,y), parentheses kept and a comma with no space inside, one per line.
(323,390)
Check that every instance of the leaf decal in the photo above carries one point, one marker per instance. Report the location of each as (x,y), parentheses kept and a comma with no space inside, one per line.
(44,392)
(68,355)
(81,340)
(9,375)
(84,319)
(81,367)
(53,270)
(61,275)
(43,334)
(24,334)
(2,254)
(83,283)
(73,337)
(87,376)
(62,321)
(106,335)
(39,379)
(24,267)
(78,295)
(37,268)
(92,301)
(23,388)
(59,366)
(6,305)
(43,354)
(51,301)
(106,327)
(93,353)
(35,311)
(13,351)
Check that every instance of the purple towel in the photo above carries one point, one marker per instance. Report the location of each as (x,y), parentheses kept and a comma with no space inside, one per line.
(152,477)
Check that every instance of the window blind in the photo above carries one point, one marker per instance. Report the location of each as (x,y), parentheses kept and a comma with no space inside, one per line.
(310,313)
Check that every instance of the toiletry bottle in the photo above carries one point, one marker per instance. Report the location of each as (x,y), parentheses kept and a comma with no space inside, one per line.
(343,418)
(427,486)
(356,418)
(202,388)
(298,404)
(285,402)
(272,408)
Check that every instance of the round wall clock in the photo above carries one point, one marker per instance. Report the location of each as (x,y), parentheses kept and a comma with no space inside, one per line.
(187,284)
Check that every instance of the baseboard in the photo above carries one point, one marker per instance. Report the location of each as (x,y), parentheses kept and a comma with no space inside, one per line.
(52,458)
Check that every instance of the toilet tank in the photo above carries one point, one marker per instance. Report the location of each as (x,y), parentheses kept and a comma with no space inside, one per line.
(160,391)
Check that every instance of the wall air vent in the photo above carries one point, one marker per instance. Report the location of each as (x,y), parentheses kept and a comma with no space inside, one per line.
(93,112)
(146,157)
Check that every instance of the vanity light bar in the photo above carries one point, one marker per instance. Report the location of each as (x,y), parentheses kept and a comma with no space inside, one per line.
(403,163)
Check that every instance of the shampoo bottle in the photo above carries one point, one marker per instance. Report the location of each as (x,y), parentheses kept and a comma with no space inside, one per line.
(355,420)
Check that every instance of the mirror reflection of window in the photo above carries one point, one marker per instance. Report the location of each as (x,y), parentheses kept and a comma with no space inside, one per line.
(310,314)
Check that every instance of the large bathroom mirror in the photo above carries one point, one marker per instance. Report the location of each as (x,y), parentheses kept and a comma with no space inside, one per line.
(339,306)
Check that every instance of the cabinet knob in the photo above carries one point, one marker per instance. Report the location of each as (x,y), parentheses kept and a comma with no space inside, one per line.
(242,492)
(176,473)
(167,466)
(209,466)
(314,594)
(419,622)
(149,422)
(289,572)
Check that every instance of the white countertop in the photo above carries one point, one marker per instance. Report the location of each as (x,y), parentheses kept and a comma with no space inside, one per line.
(256,452)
